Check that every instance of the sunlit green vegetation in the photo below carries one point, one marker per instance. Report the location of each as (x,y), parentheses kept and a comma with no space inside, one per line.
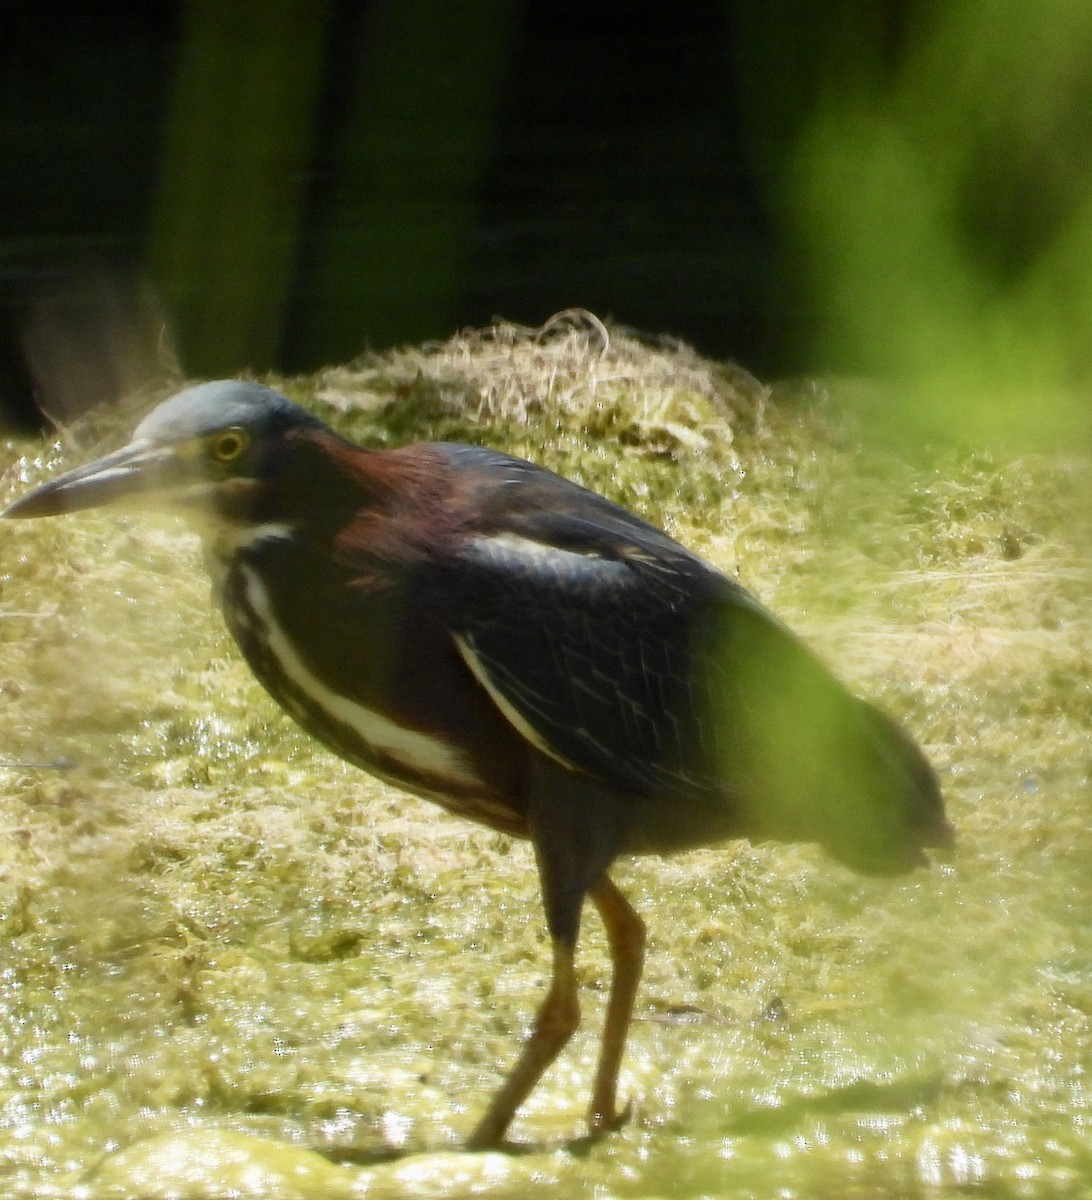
(224,949)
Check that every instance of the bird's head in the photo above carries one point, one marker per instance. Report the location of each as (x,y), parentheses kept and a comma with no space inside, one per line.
(211,451)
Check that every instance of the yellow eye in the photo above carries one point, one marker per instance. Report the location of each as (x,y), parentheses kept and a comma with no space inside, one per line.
(227,446)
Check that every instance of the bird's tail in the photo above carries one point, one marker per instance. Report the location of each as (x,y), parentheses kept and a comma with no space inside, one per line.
(808,761)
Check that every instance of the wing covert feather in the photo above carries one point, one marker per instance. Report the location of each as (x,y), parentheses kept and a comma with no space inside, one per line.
(592,656)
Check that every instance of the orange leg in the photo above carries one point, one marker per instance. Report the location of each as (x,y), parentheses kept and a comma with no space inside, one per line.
(555,1023)
(626,937)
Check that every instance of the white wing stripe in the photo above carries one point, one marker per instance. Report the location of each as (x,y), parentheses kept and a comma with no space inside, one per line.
(511,713)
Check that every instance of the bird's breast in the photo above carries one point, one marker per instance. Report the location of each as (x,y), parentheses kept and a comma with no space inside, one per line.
(371,735)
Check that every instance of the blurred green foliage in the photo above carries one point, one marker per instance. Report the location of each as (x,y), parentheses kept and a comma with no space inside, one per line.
(231,185)
(943,201)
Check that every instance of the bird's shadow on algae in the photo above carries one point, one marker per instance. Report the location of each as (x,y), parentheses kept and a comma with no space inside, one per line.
(372,1156)
(862,1095)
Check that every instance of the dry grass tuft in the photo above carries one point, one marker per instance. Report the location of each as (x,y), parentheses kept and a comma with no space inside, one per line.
(572,370)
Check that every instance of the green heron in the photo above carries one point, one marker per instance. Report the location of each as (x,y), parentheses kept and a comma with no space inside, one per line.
(526,653)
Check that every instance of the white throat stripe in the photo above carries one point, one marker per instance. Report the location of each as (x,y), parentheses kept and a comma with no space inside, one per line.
(420,753)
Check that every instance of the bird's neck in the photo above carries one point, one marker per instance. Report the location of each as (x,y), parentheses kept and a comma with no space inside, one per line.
(341,500)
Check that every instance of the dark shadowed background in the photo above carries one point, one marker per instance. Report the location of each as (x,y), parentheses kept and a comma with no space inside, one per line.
(860,186)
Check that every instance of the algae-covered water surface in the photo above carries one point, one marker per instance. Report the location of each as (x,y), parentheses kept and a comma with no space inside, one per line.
(232,965)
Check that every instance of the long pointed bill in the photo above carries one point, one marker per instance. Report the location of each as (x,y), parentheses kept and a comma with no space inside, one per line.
(136,470)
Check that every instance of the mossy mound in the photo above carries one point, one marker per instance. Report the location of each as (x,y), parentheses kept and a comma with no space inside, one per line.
(211,924)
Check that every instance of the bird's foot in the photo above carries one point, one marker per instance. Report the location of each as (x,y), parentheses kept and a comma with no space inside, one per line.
(605,1119)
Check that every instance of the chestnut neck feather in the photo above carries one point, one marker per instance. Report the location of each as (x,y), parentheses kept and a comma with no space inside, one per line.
(380,503)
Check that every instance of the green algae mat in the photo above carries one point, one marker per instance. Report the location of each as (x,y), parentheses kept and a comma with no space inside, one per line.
(232,965)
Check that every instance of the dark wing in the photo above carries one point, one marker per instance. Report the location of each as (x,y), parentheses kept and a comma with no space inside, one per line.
(619,653)
(587,625)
